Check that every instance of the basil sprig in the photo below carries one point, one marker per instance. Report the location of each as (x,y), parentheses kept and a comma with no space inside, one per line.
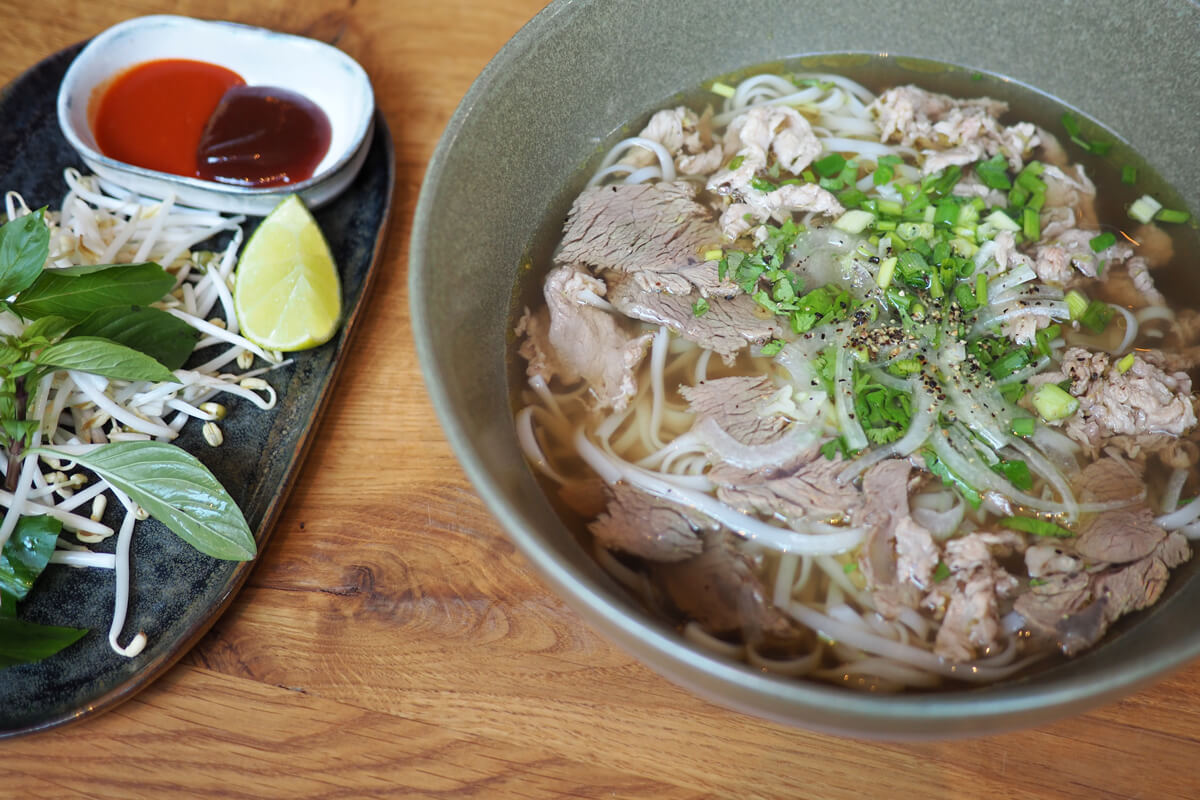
(94,319)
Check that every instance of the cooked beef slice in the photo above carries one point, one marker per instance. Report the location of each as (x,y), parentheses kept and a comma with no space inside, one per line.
(657,232)
(641,524)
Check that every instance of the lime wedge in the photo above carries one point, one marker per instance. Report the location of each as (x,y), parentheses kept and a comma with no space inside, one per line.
(286,292)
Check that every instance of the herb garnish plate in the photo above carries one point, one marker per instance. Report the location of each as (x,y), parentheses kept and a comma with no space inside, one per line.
(177,592)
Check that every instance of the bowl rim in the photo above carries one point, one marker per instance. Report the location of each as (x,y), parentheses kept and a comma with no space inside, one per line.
(1008,706)
(359,138)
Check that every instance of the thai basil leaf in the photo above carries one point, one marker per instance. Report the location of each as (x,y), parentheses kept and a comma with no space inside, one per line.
(102,357)
(45,330)
(24,247)
(9,354)
(26,553)
(174,488)
(75,293)
(167,339)
(22,642)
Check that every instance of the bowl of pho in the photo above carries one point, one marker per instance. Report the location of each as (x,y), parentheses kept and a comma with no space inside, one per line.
(843,373)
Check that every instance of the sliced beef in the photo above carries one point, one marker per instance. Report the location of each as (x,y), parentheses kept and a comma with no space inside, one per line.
(1063,611)
(1072,249)
(738,406)
(970,598)
(951,130)
(898,556)
(1119,563)
(576,340)
(655,231)
(1128,284)
(720,590)
(1172,451)
(756,206)
(1070,200)
(1120,535)
(809,487)
(727,327)
(1154,245)
(1075,610)
(1143,399)
(644,525)
(1042,560)
(1108,480)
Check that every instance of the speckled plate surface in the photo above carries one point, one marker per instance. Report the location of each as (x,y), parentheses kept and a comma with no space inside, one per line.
(177,592)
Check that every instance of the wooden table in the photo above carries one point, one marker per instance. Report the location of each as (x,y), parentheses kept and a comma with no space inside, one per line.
(392,642)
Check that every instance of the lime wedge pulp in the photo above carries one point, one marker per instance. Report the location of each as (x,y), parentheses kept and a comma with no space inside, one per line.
(286,293)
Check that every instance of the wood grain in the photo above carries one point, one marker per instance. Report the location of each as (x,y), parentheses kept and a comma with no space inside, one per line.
(391,642)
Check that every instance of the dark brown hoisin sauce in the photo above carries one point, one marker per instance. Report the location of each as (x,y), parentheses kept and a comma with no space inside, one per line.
(263,136)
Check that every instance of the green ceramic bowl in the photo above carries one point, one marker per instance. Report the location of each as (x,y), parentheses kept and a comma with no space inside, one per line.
(509,163)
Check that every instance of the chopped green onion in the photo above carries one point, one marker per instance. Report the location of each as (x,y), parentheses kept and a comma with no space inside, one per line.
(849,568)
(851,198)
(1097,316)
(762,184)
(735,162)
(904,367)
(1053,403)
(1031,226)
(700,307)
(854,221)
(909,231)
(935,285)
(887,268)
(889,207)
(1022,426)
(981,289)
(830,166)
(993,173)
(1031,183)
(1128,174)
(882,175)
(1125,363)
(772,347)
(1017,472)
(941,572)
(1102,242)
(1076,303)
(947,213)
(1045,336)
(1002,221)
(1171,215)
(1071,125)
(723,89)
(1144,208)
(1010,363)
(1038,527)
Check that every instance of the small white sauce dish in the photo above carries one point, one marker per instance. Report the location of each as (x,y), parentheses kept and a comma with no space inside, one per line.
(323,74)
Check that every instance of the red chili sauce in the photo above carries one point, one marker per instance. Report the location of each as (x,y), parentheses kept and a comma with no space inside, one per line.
(201,120)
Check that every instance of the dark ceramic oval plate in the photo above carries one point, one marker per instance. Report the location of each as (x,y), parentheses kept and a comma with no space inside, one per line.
(177,593)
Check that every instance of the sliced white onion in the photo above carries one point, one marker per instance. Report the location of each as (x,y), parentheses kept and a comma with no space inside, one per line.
(1172,490)
(1131,328)
(843,394)
(1180,517)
